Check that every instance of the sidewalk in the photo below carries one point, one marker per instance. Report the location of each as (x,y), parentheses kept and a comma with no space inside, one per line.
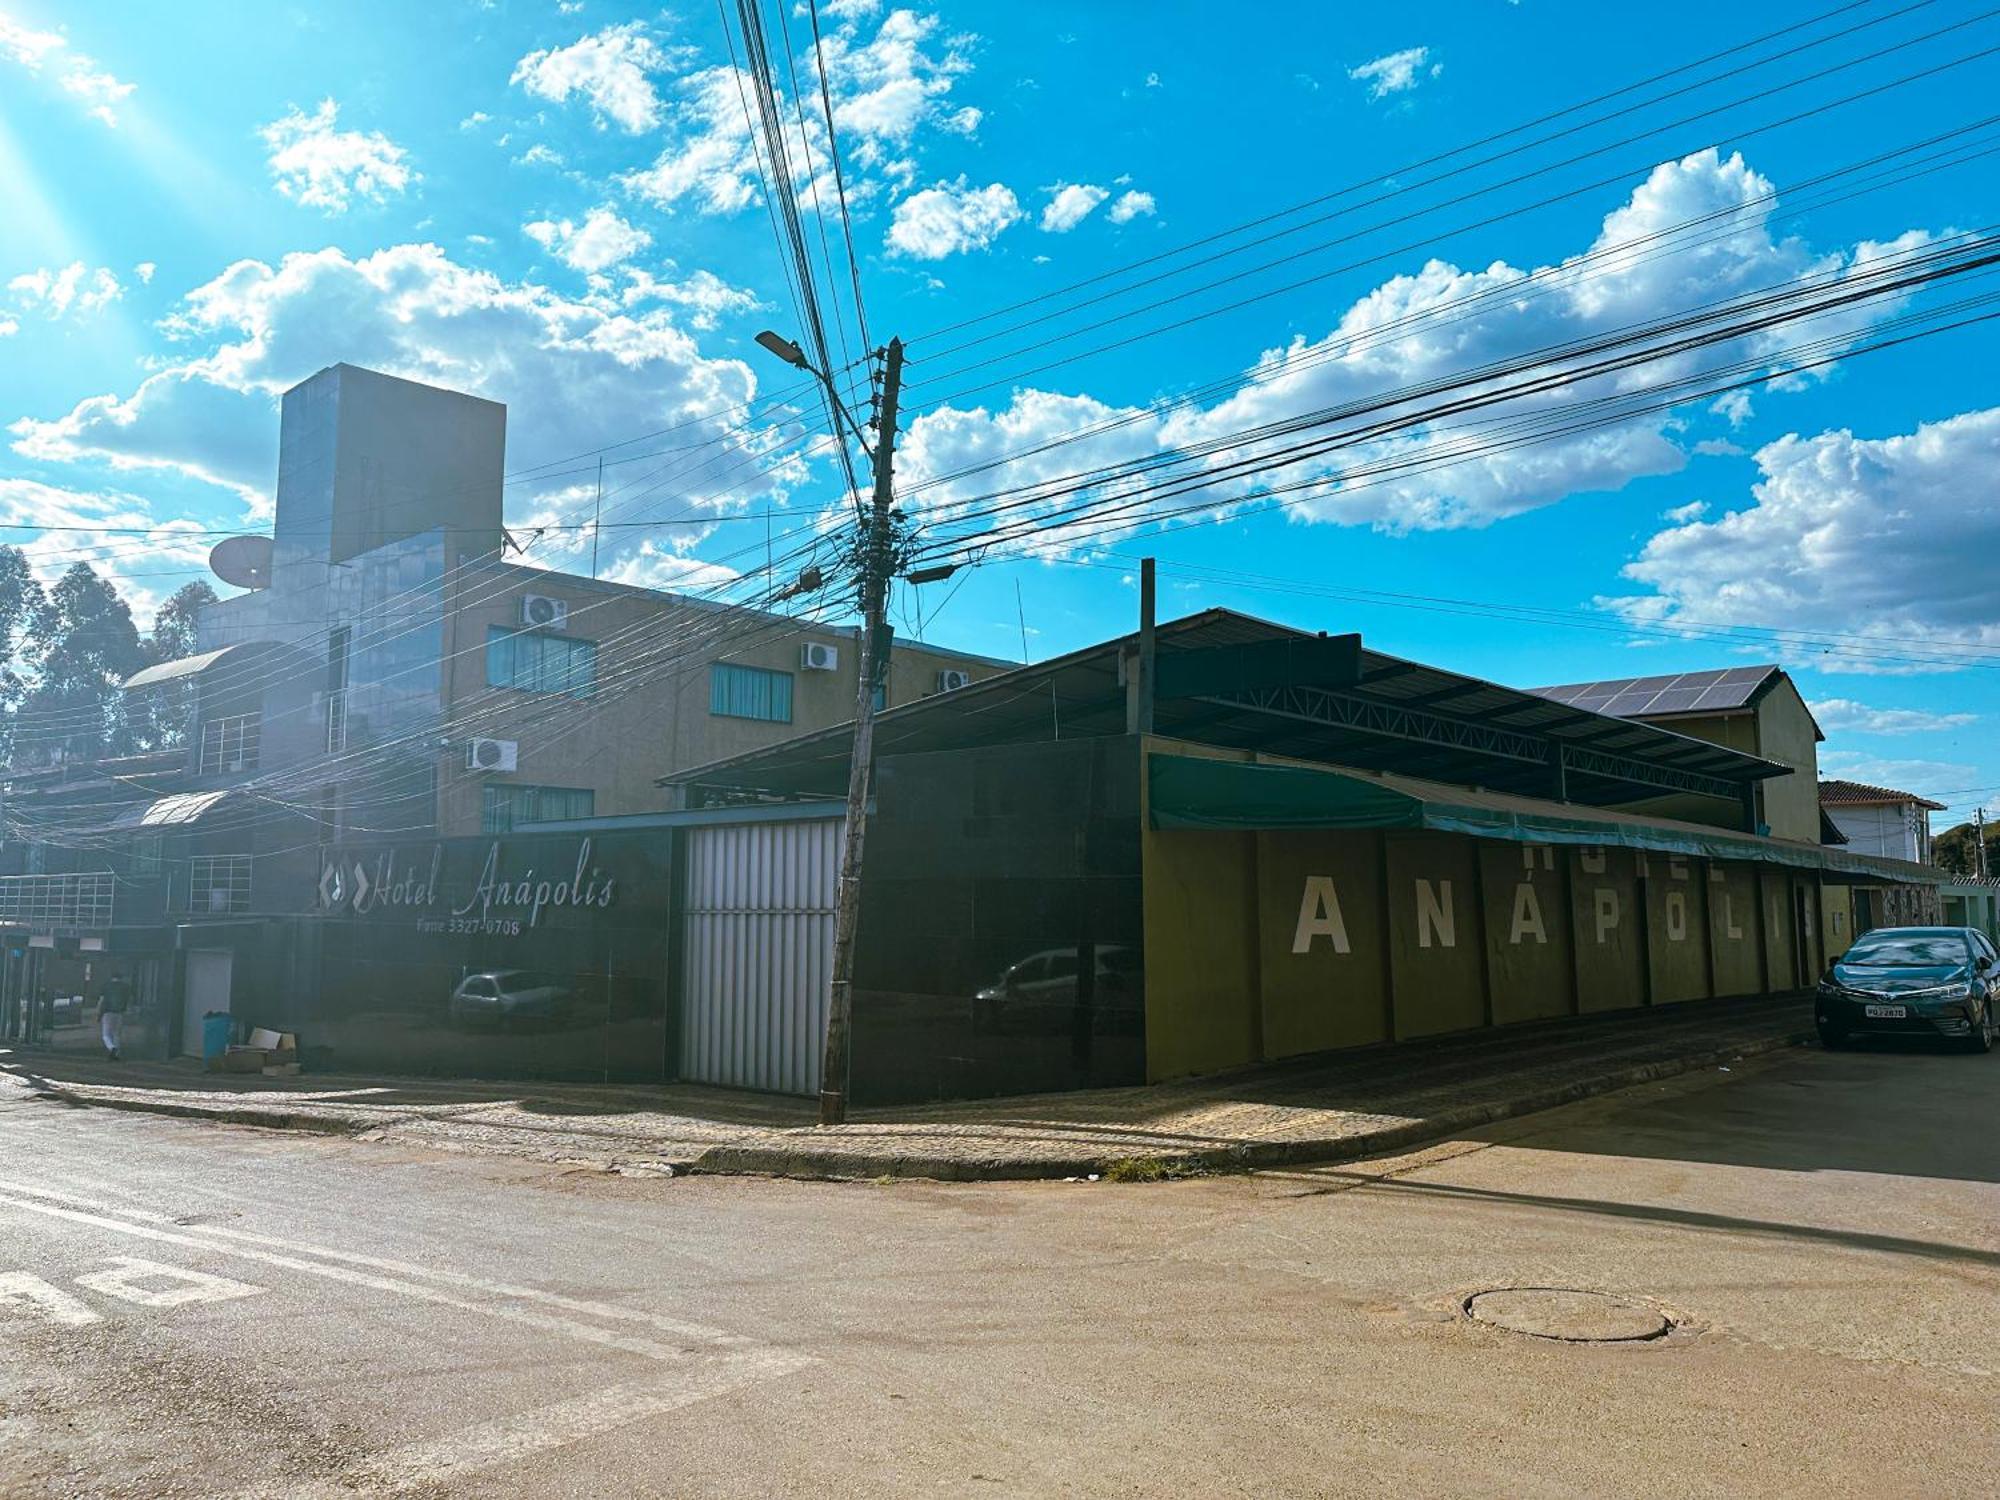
(1339,1108)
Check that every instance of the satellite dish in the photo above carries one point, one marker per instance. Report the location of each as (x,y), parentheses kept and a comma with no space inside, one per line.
(242,560)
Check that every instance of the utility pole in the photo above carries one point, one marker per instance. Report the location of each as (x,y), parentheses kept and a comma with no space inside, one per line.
(878,557)
(1979,842)
(597,517)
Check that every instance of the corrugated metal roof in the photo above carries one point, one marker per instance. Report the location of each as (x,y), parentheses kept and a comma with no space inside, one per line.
(1083,694)
(1719,690)
(176,811)
(173,671)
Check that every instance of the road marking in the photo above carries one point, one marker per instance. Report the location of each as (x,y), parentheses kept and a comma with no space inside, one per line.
(122,1281)
(716,1364)
(693,1333)
(52,1302)
(512,1439)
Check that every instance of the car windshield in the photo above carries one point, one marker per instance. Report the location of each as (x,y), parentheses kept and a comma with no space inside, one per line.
(1913,950)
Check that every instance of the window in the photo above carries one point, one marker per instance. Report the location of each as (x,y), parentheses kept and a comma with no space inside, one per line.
(230,744)
(146,857)
(219,883)
(531,662)
(337,642)
(504,808)
(749,693)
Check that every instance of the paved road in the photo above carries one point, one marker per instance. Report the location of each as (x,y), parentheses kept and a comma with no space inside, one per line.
(202,1310)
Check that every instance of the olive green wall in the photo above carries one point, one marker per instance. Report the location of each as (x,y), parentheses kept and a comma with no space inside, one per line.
(1282,943)
(1325,974)
(1609,923)
(1836,903)
(1530,955)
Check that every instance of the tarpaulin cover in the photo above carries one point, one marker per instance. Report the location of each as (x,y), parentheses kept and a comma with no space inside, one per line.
(1195,792)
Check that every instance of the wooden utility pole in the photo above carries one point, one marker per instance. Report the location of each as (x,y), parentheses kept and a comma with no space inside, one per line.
(878,558)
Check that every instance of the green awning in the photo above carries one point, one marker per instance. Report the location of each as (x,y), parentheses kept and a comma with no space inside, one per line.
(1195,792)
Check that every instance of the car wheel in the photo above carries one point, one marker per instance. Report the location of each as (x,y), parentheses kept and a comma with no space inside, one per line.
(1981,1039)
(1832,1039)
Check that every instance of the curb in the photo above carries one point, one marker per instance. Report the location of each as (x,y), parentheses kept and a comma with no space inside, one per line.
(837,1164)
(834,1163)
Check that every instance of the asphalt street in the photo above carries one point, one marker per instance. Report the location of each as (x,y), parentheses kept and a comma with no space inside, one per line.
(195,1309)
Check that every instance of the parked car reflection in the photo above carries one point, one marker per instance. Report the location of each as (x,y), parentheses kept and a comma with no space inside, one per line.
(1042,994)
(501,996)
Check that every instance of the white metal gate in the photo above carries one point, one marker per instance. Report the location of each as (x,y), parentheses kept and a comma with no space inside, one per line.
(758,947)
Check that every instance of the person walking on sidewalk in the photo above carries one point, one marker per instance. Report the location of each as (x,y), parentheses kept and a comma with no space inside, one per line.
(111,1005)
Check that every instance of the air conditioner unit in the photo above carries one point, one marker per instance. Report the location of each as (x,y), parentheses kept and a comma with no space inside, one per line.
(491,755)
(817,656)
(951,680)
(544,613)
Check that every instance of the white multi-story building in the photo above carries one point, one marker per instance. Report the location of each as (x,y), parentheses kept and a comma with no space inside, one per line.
(1880,820)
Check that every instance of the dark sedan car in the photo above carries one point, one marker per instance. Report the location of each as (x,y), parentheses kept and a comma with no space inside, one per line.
(1913,981)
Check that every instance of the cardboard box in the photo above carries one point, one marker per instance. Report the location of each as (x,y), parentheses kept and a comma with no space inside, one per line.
(281,1070)
(264,1040)
(244,1060)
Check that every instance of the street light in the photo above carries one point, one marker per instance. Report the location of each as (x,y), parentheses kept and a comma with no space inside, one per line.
(785,349)
(877,562)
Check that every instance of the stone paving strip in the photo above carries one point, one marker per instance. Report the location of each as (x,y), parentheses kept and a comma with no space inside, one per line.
(1333,1108)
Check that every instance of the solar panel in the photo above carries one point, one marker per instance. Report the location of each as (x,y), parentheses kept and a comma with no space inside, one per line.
(1716,689)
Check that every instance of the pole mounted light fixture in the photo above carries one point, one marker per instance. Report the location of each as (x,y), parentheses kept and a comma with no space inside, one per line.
(784,348)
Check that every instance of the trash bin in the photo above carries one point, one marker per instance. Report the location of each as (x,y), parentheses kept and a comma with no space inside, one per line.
(214,1035)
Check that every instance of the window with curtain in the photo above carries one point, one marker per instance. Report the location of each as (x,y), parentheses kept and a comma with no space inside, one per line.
(737,692)
(531,662)
(503,808)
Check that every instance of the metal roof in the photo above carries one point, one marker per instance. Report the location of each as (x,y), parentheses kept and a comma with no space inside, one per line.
(176,811)
(194,666)
(1398,715)
(1718,691)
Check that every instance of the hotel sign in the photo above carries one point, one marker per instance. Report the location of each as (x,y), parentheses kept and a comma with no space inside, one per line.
(501,901)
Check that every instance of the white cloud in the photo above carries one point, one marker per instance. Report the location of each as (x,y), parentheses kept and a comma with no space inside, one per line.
(603,240)
(1865,536)
(611,69)
(1440,322)
(576,375)
(77,73)
(1130,206)
(1718,448)
(144,271)
(474,120)
(1680,515)
(651,565)
(706,296)
(1395,72)
(55,291)
(9,327)
(1835,714)
(322,167)
(1924,777)
(174,542)
(539,155)
(885,90)
(1152,80)
(27,47)
(1070,204)
(951,218)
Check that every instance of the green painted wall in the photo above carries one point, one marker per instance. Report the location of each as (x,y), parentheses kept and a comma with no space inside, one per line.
(1836,904)
(1610,928)
(1202,920)
(1530,959)
(1435,945)
(1785,734)
(1324,975)
(1734,929)
(1781,968)
(1676,927)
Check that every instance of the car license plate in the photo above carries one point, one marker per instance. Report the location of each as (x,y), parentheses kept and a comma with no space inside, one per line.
(1887,1012)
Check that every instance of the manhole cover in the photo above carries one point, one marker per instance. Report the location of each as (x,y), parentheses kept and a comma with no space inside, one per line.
(1569,1314)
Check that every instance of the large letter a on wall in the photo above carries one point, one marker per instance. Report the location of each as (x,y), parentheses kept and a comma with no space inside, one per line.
(1319,916)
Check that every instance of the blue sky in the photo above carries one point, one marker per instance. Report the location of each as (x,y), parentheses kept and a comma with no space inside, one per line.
(551,204)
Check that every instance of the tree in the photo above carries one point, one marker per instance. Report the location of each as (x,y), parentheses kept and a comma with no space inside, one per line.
(84,645)
(22,605)
(167,716)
